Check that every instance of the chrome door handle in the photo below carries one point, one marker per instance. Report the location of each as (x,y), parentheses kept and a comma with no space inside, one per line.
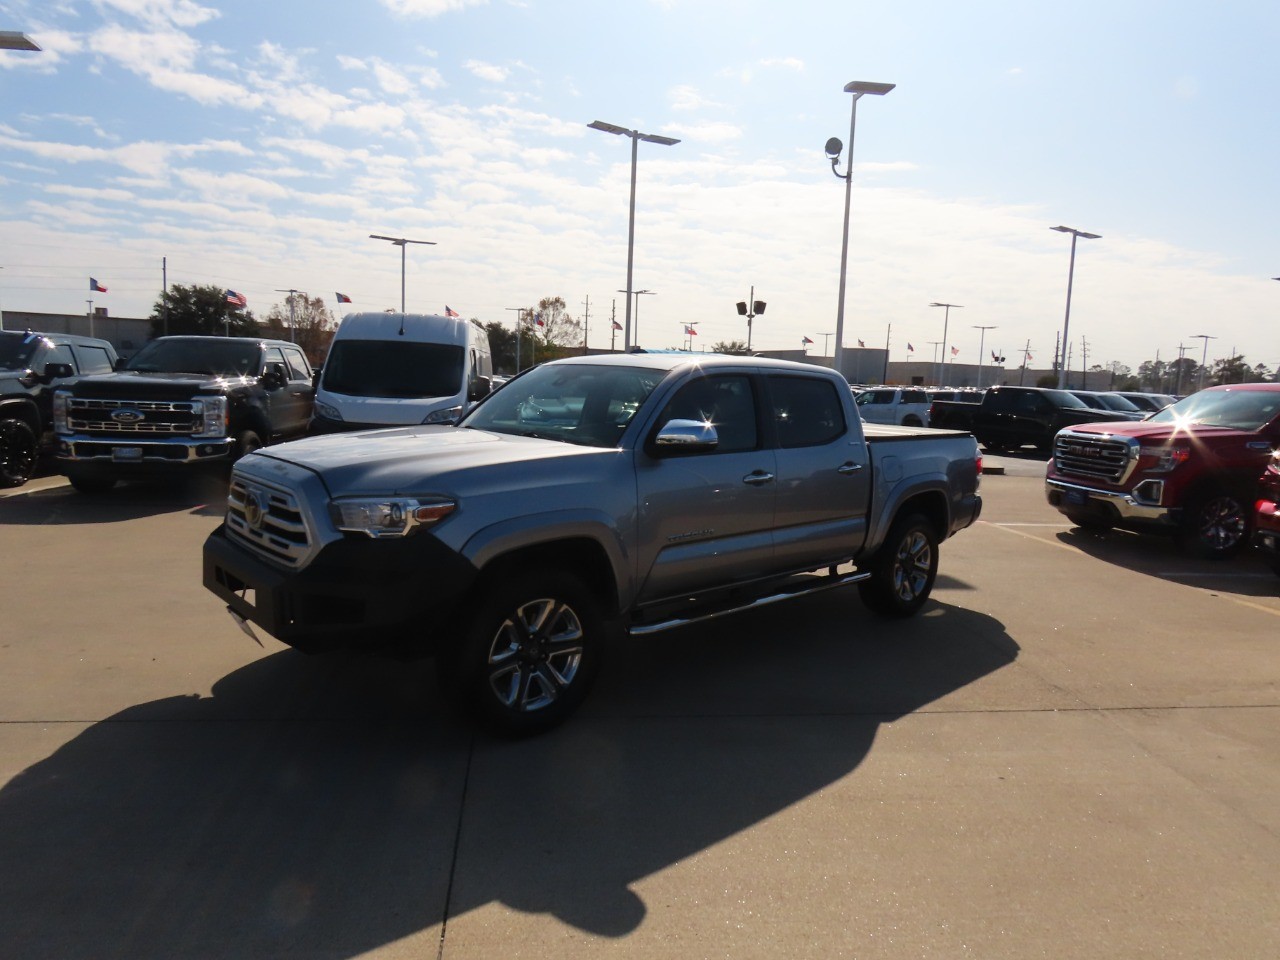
(758,479)
(849,469)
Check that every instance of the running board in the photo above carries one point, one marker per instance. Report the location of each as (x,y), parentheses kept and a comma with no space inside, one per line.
(646,629)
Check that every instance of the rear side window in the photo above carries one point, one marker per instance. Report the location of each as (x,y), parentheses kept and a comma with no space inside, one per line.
(299,369)
(914,396)
(92,359)
(875,397)
(806,410)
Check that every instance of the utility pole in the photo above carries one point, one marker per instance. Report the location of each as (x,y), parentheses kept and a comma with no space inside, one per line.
(292,293)
(1084,362)
(1026,358)
(90,303)
(519,332)
(164,300)
(613,326)
(586,314)
(887,332)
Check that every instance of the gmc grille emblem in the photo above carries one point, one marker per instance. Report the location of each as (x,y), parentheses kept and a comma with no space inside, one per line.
(127,416)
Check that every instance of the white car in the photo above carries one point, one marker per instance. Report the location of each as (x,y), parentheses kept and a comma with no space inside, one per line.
(905,406)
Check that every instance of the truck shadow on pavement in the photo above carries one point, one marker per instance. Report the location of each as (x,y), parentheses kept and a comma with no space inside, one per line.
(206,496)
(1162,557)
(323,807)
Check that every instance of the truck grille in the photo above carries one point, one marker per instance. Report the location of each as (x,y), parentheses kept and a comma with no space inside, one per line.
(1095,457)
(268,521)
(134,417)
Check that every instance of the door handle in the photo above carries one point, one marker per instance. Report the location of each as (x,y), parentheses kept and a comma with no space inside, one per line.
(759,478)
(848,469)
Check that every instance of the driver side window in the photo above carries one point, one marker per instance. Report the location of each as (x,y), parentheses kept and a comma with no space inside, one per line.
(727,403)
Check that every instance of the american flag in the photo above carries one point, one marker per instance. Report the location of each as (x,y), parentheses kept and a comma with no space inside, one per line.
(955,351)
(861,344)
(237,299)
(617,325)
(910,348)
(450,312)
(805,340)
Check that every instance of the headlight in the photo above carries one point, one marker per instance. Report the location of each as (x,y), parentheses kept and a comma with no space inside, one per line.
(1167,458)
(328,411)
(381,517)
(61,424)
(213,417)
(443,416)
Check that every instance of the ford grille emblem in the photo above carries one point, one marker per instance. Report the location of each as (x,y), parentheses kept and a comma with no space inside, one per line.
(127,416)
(256,505)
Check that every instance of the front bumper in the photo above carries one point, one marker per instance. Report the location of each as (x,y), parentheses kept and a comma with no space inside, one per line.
(1266,516)
(1117,506)
(142,451)
(357,592)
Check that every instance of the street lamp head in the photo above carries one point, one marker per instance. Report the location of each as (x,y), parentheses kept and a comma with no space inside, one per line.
(13,40)
(1078,233)
(861,87)
(607,127)
(956,306)
(834,148)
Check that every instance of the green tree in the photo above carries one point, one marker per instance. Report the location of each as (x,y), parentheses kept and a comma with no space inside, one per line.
(502,343)
(737,348)
(1230,370)
(311,326)
(200,309)
(558,328)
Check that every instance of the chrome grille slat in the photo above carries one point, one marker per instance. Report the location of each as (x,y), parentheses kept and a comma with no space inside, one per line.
(160,417)
(1096,457)
(282,535)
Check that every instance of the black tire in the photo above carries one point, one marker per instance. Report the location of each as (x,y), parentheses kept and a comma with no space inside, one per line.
(19,452)
(247,442)
(91,483)
(1217,525)
(912,422)
(993,446)
(1088,521)
(529,655)
(903,569)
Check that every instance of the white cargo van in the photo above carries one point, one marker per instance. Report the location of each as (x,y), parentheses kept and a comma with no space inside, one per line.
(395,369)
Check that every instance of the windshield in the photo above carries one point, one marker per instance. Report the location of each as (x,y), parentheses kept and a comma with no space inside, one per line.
(16,349)
(224,358)
(1230,409)
(387,368)
(1064,399)
(577,403)
(1113,401)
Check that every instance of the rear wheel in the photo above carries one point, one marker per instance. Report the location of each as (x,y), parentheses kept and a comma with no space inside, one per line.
(19,452)
(246,443)
(529,655)
(903,569)
(1217,524)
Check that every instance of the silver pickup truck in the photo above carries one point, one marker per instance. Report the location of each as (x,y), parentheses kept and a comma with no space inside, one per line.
(638,492)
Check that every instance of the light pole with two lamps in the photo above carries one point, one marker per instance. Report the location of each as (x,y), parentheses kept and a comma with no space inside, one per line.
(859,89)
(633,332)
(1204,355)
(401,242)
(982,342)
(636,136)
(1071,272)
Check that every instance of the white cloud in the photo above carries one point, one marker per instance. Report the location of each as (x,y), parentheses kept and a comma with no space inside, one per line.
(428,8)
(182,13)
(685,97)
(351,63)
(487,71)
(391,80)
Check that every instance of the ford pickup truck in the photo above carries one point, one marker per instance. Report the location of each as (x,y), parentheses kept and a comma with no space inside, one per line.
(180,404)
(638,492)
(1009,418)
(1192,469)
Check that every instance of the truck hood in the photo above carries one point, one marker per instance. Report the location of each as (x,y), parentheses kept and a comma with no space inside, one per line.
(392,411)
(1146,430)
(415,460)
(161,386)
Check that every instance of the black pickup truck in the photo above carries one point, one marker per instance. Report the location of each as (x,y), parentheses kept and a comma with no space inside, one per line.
(32,368)
(1012,417)
(179,404)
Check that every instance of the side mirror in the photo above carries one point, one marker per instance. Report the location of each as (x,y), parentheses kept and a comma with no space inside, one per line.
(57,371)
(685,436)
(274,378)
(480,388)
(120,364)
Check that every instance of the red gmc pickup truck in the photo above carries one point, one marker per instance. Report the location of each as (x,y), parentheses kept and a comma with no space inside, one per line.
(1192,469)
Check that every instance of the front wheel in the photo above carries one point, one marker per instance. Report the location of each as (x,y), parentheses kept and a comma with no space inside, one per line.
(1088,521)
(903,569)
(1216,525)
(19,451)
(530,654)
(91,483)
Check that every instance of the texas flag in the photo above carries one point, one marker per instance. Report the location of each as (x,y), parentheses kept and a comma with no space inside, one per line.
(805,340)
(617,325)
(537,318)
(342,298)
(450,312)
(910,348)
(690,332)
(96,287)
(237,299)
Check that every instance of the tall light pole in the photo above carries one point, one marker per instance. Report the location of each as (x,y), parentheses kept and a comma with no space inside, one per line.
(634,330)
(859,89)
(292,293)
(636,136)
(401,242)
(1071,271)
(519,331)
(1204,355)
(982,342)
(946,318)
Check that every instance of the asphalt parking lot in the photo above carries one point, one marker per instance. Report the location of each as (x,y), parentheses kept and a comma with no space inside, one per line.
(1073,752)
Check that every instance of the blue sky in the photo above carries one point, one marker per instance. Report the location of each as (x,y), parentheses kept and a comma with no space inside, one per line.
(257,145)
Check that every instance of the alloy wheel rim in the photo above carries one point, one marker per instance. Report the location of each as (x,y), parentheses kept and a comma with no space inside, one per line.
(535,655)
(911,566)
